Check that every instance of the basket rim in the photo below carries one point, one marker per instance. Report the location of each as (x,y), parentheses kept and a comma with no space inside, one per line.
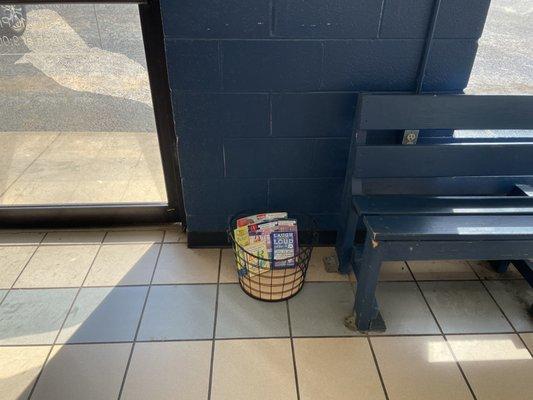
(302,249)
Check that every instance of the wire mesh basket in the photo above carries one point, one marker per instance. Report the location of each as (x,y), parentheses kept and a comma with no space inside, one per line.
(269,279)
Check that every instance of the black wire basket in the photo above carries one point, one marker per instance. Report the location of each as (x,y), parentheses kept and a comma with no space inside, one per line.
(269,279)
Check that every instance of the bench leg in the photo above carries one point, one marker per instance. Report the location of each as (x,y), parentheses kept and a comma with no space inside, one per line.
(345,242)
(500,266)
(366,309)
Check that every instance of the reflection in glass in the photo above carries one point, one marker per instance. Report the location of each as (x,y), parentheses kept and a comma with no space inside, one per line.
(76,116)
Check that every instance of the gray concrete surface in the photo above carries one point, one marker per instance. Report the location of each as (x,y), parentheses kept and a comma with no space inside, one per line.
(504,61)
(77,122)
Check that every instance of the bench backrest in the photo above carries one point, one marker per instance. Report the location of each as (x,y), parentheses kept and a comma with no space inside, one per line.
(440,167)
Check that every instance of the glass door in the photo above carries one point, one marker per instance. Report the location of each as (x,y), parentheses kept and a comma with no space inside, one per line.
(79,129)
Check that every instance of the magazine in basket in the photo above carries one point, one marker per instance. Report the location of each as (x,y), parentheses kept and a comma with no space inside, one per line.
(264,242)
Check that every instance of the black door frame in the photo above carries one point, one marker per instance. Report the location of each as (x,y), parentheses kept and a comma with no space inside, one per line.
(61,215)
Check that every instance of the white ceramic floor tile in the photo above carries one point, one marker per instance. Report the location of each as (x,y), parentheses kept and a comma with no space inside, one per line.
(123,264)
(164,370)
(104,315)
(74,237)
(83,372)
(336,369)
(19,367)
(515,297)
(228,268)
(464,307)
(239,316)
(404,310)
(528,338)
(317,271)
(175,235)
(497,366)
(57,266)
(253,369)
(441,270)
(485,271)
(394,271)
(179,264)
(137,236)
(33,316)
(419,367)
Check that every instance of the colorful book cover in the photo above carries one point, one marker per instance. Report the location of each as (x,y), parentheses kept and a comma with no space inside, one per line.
(257,265)
(284,245)
(254,219)
(254,235)
(241,236)
(262,232)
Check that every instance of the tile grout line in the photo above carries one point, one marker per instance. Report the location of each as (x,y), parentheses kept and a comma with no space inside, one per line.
(376,363)
(375,358)
(119,286)
(64,319)
(262,337)
(128,363)
(221,283)
(448,345)
(297,384)
(213,340)
(507,319)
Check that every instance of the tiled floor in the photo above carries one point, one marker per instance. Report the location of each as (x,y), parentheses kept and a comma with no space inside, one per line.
(137,315)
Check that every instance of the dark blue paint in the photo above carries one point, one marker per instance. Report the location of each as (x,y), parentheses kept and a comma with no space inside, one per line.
(285,158)
(375,65)
(457,19)
(290,70)
(216,18)
(398,227)
(201,156)
(450,63)
(222,115)
(462,19)
(406,18)
(223,196)
(193,64)
(327,19)
(313,114)
(271,65)
(306,195)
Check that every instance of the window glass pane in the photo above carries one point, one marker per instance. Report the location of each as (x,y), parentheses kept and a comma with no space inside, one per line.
(77,121)
(504,61)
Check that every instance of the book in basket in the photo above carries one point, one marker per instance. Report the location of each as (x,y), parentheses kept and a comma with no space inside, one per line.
(284,248)
(254,237)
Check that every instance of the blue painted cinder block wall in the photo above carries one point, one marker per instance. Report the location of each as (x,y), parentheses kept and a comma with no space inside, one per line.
(264,91)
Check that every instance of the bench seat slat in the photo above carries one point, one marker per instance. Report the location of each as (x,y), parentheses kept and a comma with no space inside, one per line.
(446,186)
(471,227)
(444,160)
(444,112)
(419,205)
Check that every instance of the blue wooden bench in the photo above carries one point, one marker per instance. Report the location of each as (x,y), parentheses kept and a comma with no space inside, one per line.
(441,197)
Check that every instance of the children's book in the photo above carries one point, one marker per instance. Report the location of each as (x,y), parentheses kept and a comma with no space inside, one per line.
(254,219)
(284,246)
(255,234)
(260,264)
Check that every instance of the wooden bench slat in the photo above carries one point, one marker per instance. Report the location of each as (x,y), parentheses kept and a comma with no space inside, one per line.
(444,160)
(417,205)
(443,186)
(472,227)
(444,112)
